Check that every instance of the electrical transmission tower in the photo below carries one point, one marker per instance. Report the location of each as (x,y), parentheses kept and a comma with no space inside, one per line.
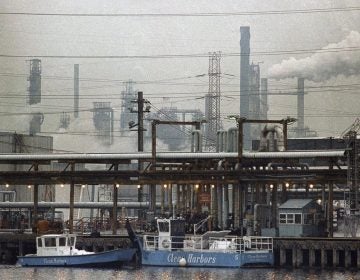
(212,100)
(351,196)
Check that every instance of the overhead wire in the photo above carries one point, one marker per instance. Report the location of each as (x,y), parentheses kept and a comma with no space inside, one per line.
(194,55)
(194,14)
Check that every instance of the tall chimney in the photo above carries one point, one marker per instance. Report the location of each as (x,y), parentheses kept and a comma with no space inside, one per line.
(244,81)
(35,82)
(264,98)
(300,108)
(76,90)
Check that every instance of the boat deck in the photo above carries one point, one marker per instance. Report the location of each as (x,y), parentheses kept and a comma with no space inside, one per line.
(210,241)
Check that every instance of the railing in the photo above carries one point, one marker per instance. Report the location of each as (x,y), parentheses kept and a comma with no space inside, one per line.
(231,244)
(88,225)
(257,243)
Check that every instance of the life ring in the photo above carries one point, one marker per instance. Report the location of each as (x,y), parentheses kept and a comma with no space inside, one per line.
(165,243)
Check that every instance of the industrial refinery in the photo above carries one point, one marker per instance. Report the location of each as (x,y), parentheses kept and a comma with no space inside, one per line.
(247,142)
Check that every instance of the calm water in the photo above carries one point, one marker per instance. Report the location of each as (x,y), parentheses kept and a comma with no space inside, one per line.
(152,273)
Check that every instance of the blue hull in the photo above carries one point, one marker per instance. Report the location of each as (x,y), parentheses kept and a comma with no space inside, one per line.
(111,258)
(207,259)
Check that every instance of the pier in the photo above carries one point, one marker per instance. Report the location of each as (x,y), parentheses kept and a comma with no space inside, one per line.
(288,252)
(317,252)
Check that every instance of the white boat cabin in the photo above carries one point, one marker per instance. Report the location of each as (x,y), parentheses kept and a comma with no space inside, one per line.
(171,233)
(171,236)
(58,245)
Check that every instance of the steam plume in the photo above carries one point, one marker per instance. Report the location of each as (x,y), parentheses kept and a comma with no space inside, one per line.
(342,58)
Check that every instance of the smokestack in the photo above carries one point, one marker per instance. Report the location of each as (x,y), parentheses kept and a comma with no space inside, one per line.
(76,90)
(35,123)
(35,81)
(264,98)
(244,81)
(300,108)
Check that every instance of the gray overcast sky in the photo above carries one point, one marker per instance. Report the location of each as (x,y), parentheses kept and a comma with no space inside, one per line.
(328,112)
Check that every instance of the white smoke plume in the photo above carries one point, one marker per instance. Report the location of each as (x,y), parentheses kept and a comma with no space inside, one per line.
(80,137)
(342,58)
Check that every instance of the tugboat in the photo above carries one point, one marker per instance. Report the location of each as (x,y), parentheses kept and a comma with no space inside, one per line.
(172,247)
(59,250)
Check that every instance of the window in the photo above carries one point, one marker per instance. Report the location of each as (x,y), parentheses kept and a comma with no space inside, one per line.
(163,226)
(308,219)
(62,241)
(290,219)
(72,241)
(50,242)
(282,218)
(39,242)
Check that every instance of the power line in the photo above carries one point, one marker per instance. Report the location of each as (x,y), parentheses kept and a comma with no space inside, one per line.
(177,56)
(210,14)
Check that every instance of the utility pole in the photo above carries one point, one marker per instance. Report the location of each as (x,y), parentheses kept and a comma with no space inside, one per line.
(140,102)
(140,112)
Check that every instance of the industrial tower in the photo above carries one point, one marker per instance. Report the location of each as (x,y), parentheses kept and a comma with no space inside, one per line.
(34,82)
(212,100)
(103,117)
(244,82)
(127,96)
(76,90)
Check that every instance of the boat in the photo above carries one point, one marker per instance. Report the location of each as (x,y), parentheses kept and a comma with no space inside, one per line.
(172,247)
(59,250)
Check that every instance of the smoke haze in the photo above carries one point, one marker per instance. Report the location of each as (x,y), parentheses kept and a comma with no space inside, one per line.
(323,65)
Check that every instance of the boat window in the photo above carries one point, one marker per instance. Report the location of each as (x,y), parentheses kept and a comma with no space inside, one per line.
(39,241)
(164,226)
(62,241)
(177,227)
(72,241)
(50,242)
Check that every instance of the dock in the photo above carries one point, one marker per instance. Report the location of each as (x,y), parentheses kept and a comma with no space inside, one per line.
(305,252)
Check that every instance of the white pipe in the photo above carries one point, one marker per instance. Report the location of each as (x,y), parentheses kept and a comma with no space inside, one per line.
(280,138)
(220,137)
(263,140)
(268,133)
(5,158)
(196,141)
(224,141)
(270,136)
(232,139)
(85,205)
